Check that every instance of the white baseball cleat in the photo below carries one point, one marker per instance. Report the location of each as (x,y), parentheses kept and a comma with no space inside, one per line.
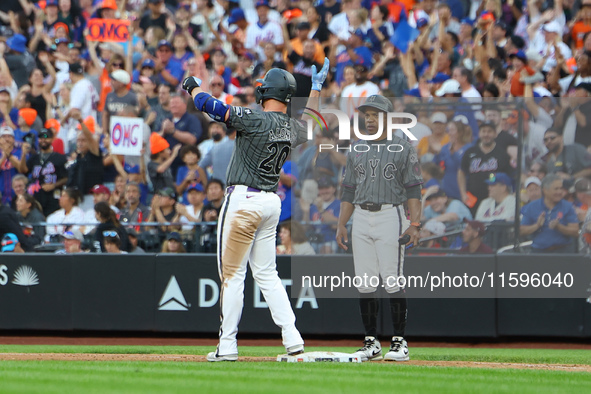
(295,350)
(371,350)
(398,350)
(211,356)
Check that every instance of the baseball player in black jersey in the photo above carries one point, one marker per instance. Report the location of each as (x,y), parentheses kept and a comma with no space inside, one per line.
(250,212)
(379,178)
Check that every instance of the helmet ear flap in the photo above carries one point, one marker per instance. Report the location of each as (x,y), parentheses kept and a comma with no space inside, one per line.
(258,94)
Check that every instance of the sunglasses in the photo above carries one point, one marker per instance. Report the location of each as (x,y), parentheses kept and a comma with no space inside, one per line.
(110,234)
(165,49)
(117,65)
(551,138)
(216,84)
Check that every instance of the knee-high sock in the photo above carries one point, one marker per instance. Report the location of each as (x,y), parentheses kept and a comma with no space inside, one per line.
(398,309)
(369,307)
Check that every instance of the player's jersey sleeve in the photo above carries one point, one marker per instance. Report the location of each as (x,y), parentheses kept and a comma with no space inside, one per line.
(411,173)
(245,120)
(349,182)
(300,130)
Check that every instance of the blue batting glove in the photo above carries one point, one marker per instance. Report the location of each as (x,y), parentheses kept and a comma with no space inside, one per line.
(318,78)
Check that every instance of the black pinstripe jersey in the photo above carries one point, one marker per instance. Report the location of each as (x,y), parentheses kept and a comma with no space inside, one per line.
(263,143)
(379,172)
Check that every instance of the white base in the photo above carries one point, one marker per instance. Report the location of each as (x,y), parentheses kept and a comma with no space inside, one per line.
(314,357)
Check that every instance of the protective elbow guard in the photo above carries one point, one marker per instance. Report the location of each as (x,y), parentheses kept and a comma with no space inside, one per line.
(215,108)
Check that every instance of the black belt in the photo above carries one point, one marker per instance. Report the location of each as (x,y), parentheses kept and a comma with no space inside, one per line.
(369,206)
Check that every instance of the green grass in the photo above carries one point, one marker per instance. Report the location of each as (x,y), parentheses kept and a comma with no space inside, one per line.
(271,377)
(532,356)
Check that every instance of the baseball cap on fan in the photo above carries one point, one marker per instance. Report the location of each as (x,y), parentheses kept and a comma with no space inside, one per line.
(121,76)
(552,27)
(532,180)
(100,189)
(9,242)
(476,225)
(76,68)
(377,102)
(6,130)
(451,86)
(74,234)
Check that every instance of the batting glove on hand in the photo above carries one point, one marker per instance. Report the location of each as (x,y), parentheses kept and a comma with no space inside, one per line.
(318,78)
(191,83)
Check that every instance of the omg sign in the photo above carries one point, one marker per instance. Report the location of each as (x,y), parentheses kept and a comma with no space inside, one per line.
(108,30)
(126,135)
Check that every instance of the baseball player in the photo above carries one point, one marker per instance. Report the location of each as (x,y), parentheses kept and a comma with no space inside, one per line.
(376,183)
(248,221)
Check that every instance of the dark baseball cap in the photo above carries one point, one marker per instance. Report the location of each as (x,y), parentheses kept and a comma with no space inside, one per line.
(195,186)
(500,177)
(167,192)
(76,68)
(131,232)
(377,102)
(487,124)
(303,26)
(174,235)
(45,133)
(325,182)
(476,225)
(438,193)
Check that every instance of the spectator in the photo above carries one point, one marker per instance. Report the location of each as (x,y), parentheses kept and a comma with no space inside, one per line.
(217,86)
(431,145)
(19,187)
(83,96)
(72,242)
(87,168)
(17,60)
(134,211)
(218,67)
(173,244)
(533,138)
(163,210)
(132,237)
(533,189)
(100,193)
(112,242)
(464,77)
(293,239)
(355,94)
(263,31)
(47,173)
(169,70)
(7,111)
(551,221)
(191,212)
(69,214)
(450,156)
(215,197)
(218,158)
(432,229)
(184,128)
(500,204)
(162,110)
(288,178)
(478,163)
(578,116)
(472,237)
(565,160)
(217,133)
(117,198)
(324,214)
(11,244)
(29,213)
(108,223)
(159,169)
(39,90)
(191,172)
(155,16)
(24,132)
(9,162)
(446,210)
(537,169)
(9,224)
(120,99)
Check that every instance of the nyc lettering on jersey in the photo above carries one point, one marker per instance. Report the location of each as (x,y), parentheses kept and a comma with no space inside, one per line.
(387,171)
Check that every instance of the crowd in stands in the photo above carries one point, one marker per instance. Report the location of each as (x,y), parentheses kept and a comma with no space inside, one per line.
(499,88)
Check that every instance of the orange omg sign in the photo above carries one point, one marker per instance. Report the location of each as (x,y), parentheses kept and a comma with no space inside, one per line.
(107,30)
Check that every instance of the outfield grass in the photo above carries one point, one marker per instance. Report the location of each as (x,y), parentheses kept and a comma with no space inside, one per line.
(271,377)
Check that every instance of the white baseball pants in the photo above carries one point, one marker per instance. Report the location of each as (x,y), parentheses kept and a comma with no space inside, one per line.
(247,230)
(376,251)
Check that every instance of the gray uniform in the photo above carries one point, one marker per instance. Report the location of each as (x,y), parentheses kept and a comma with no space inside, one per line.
(379,176)
(263,142)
